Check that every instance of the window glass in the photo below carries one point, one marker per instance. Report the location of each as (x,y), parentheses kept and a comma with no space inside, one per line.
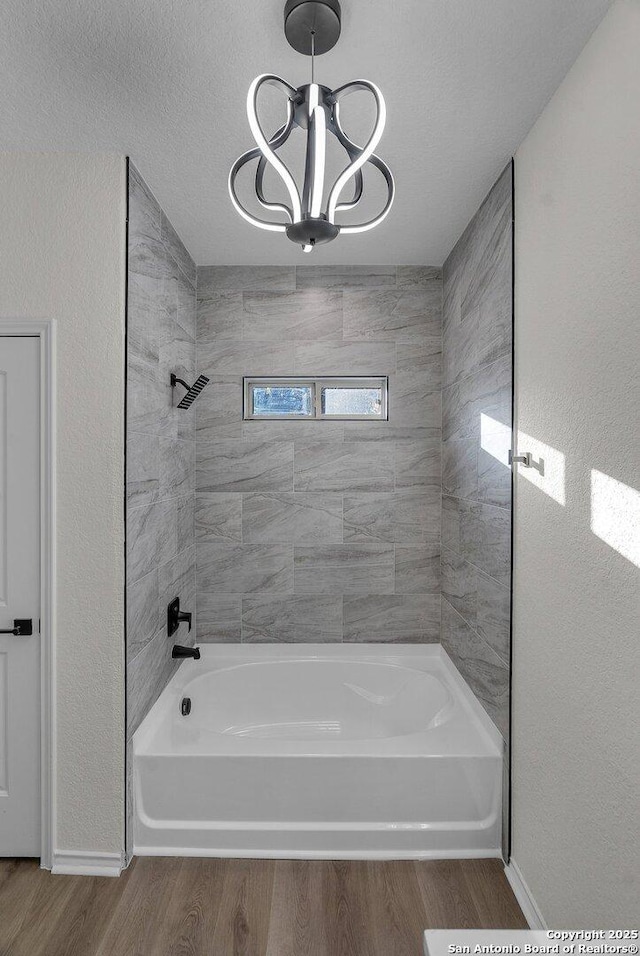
(341,400)
(282,400)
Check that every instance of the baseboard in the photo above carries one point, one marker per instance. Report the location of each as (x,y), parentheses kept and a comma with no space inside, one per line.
(524,897)
(86,863)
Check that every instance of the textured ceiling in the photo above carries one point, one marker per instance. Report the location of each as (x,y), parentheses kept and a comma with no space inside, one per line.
(165,81)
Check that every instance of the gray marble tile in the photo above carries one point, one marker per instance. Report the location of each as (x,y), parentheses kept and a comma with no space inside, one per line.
(291,619)
(424,359)
(476,421)
(455,515)
(460,468)
(143,469)
(397,517)
(345,358)
(484,393)
(477,288)
(148,257)
(477,339)
(145,398)
(178,355)
(229,361)
(493,319)
(350,466)
(413,400)
(219,412)
(473,251)
(161,446)
(186,307)
(488,266)
(316,431)
(292,517)
(219,517)
(185,510)
(460,585)
(151,537)
(392,618)
(177,467)
(494,615)
(218,633)
(143,618)
(221,609)
(178,251)
(418,568)
(218,320)
(312,314)
(147,676)
(345,277)
(417,464)
(242,569)
(418,277)
(177,578)
(483,670)
(393,315)
(390,432)
(459,343)
(150,322)
(490,542)
(244,466)
(344,569)
(245,278)
(145,215)
(481,534)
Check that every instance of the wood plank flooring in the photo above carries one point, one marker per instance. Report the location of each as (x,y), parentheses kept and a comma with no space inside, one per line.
(203,907)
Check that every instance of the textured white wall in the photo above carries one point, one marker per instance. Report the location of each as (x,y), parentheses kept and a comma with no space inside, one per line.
(577,599)
(62,256)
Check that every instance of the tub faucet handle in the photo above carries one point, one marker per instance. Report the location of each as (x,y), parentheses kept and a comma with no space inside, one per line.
(185,616)
(175,617)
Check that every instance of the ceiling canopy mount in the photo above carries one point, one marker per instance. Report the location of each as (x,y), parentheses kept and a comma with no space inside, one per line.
(312,27)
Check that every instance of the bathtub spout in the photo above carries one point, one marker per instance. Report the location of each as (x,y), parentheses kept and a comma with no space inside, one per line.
(180,651)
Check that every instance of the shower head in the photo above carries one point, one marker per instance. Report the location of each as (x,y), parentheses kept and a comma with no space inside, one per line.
(192,390)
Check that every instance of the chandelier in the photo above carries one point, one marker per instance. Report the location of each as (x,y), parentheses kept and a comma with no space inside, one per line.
(312,27)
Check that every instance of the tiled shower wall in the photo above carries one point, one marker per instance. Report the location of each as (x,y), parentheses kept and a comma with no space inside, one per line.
(160,481)
(476,437)
(319,531)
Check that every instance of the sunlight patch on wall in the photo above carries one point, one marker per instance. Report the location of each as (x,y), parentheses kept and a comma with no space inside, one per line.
(495,439)
(615,515)
(548,467)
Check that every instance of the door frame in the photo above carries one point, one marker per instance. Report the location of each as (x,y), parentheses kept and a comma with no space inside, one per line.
(45,331)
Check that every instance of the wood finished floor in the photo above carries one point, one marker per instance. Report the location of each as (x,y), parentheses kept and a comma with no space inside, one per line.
(203,907)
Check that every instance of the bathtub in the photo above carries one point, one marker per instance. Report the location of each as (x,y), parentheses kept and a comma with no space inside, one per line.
(317,751)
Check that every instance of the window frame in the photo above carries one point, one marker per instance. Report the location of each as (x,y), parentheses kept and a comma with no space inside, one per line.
(316,383)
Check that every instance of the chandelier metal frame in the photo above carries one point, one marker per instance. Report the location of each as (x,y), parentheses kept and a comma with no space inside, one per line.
(312,27)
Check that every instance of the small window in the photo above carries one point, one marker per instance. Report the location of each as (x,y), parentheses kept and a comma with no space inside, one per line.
(281,400)
(354,398)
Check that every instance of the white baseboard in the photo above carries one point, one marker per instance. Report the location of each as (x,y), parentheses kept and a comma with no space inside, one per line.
(86,863)
(524,897)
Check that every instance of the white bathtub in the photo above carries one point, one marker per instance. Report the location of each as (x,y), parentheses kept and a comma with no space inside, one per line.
(318,751)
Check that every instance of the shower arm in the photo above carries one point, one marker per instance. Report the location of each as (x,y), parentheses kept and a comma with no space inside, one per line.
(178,381)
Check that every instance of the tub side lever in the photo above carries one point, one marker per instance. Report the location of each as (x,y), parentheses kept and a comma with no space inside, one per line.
(175,616)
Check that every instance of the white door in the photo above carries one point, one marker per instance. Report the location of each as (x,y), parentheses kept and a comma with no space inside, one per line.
(19,596)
